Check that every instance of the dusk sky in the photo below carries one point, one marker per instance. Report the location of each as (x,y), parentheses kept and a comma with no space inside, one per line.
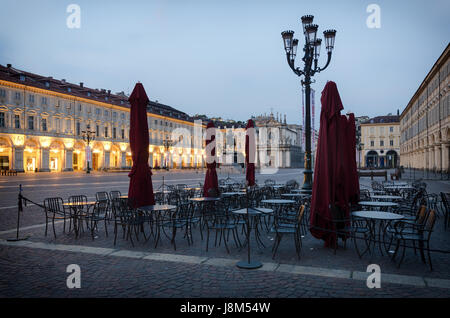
(226,57)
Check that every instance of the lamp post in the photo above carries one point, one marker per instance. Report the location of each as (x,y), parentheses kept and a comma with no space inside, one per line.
(360,148)
(88,136)
(311,51)
(167,143)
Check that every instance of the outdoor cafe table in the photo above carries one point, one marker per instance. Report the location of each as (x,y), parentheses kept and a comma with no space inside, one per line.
(398,187)
(76,208)
(254,215)
(295,195)
(378,204)
(155,212)
(387,197)
(232,193)
(372,217)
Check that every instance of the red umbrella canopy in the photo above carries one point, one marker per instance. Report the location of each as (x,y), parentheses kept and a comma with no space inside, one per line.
(211,186)
(140,191)
(250,151)
(329,177)
(351,152)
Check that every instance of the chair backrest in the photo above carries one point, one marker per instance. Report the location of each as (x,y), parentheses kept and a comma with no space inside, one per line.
(301,213)
(102,196)
(81,199)
(421,215)
(445,202)
(431,219)
(115,194)
(54,205)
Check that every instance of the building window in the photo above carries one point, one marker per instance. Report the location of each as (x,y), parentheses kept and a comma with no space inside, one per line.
(372,143)
(31,122)
(97,111)
(31,99)
(391,129)
(17,96)
(381,143)
(2,119)
(44,124)
(80,108)
(391,143)
(43,100)
(114,133)
(106,132)
(106,113)
(97,131)
(123,133)
(2,93)
(78,128)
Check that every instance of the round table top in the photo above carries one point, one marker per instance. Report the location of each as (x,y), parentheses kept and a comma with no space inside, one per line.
(165,191)
(377,215)
(278,201)
(188,189)
(79,203)
(387,197)
(398,187)
(256,210)
(233,193)
(377,203)
(157,207)
(295,195)
(204,199)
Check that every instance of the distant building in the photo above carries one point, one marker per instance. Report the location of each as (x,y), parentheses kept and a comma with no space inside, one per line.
(380,139)
(278,144)
(425,121)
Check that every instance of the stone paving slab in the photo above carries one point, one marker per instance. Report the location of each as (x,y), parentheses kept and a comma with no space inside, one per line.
(35,272)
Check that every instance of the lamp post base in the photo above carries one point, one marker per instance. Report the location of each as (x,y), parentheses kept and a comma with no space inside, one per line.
(247,265)
(307,180)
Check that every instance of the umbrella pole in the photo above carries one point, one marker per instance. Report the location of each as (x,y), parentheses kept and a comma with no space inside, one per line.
(19,210)
(248,264)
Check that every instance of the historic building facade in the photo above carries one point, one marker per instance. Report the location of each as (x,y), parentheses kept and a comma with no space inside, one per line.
(278,145)
(43,120)
(425,121)
(380,142)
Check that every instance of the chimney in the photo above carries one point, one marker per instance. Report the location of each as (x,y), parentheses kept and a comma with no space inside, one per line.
(398,112)
(81,84)
(8,65)
(109,92)
(63,80)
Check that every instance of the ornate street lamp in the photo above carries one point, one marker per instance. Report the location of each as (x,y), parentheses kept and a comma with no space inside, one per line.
(167,143)
(88,136)
(310,59)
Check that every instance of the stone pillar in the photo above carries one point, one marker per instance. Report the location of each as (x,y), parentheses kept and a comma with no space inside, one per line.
(68,160)
(18,159)
(150,159)
(106,159)
(123,159)
(45,160)
(445,159)
(180,161)
(437,157)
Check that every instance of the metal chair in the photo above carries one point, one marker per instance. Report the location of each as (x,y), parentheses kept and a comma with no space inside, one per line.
(285,224)
(54,210)
(415,233)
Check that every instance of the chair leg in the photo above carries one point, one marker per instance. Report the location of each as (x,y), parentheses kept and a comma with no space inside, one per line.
(429,255)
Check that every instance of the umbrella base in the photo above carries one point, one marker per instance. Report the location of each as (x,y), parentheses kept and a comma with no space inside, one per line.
(247,265)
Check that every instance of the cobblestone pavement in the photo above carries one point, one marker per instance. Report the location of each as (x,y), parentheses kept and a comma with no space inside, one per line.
(41,272)
(37,273)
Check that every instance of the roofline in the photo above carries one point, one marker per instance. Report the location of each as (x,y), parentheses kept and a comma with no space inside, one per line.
(441,59)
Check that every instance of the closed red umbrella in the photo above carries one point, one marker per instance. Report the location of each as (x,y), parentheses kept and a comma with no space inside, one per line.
(211,186)
(329,187)
(140,191)
(250,149)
